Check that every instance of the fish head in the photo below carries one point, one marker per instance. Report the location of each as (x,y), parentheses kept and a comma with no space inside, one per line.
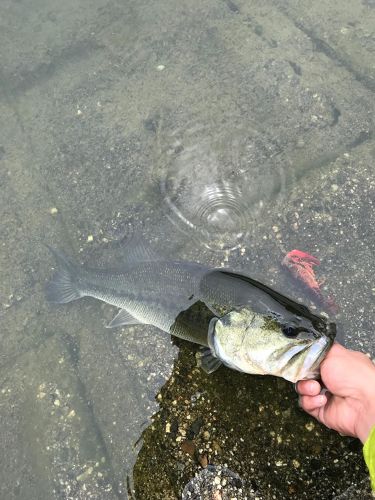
(291,348)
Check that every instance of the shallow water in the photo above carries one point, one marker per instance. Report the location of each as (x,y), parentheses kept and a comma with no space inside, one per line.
(224,132)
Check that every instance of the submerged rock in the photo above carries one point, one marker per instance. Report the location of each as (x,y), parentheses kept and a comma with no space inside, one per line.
(217,483)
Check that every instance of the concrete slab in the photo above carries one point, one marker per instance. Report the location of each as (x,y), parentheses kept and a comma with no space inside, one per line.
(344,32)
(51,448)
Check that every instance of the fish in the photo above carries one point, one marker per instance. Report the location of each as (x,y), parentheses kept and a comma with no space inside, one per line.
(235,320)
(301,264)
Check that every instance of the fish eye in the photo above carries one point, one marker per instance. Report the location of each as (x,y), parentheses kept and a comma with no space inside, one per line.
(290,331)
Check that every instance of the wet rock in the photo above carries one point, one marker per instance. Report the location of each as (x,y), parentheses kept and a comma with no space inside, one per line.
(203,460)
(188,447)
(217,483)
(195,428)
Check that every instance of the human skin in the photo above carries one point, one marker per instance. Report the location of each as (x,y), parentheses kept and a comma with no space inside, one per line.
(344,399)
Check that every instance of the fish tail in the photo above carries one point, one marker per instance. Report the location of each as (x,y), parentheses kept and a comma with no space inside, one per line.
(64,285)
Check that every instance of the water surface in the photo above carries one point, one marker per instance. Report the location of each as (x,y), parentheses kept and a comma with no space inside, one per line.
(224,132)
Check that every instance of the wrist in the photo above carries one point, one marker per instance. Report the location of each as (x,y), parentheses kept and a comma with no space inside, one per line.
(366,419)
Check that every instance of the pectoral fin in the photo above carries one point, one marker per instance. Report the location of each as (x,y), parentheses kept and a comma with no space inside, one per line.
(123,318)
(207,361)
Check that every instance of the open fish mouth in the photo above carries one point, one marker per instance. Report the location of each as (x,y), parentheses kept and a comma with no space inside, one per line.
(302,360)
(316,353)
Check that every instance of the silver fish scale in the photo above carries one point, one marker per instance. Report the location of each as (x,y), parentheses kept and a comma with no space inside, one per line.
(153,292)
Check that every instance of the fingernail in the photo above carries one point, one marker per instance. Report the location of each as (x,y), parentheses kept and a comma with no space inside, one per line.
(321,400)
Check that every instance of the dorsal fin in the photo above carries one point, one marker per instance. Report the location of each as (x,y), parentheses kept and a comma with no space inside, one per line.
(136,249)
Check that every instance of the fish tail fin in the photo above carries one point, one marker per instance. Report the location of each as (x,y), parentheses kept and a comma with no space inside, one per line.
(64,286)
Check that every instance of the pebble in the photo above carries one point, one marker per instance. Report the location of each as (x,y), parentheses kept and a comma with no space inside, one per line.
(85,474)
(188,447)
(203,460)
(310,426)
(216,447)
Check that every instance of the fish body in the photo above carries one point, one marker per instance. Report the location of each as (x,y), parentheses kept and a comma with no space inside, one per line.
(238,321)
(147,292)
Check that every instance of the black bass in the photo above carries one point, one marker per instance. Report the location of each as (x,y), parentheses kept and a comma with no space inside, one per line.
(239,322)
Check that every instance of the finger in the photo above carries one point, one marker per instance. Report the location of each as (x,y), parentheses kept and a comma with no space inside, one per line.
(308,387)
(312,404)
(336,350)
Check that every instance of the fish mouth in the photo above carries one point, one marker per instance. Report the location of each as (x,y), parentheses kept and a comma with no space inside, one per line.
(292,354)
(312,353)
(314,356)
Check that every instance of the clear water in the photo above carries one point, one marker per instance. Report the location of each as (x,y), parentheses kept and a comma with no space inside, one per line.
(224,132)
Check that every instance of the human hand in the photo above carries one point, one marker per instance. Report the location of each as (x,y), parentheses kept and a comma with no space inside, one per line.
(348,405)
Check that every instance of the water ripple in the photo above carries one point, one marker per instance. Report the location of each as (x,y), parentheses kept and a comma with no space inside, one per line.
(216,184)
